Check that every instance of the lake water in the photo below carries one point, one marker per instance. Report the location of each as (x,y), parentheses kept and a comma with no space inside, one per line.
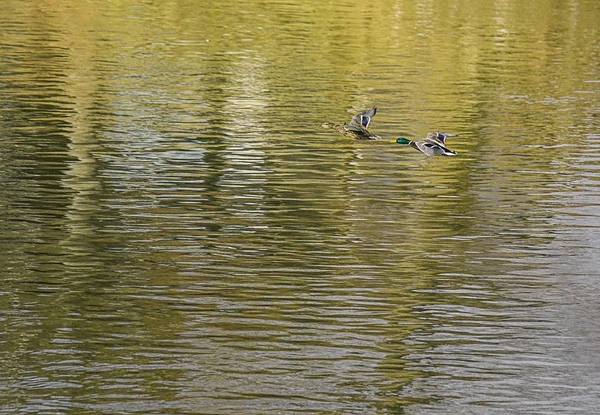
(178,235)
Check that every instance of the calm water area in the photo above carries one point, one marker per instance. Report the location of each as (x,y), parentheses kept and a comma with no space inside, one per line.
(178,235)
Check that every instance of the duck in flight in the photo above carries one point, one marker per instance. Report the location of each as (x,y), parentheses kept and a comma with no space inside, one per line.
(432,145)
(357,127)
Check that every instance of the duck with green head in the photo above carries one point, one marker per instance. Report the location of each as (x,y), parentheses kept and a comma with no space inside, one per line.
(357,127)
(432,145)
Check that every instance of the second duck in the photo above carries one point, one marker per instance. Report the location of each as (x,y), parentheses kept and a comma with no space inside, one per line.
(432,145)
(357,128)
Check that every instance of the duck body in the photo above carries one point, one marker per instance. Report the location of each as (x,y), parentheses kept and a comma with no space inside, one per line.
(352,131)
(357,127)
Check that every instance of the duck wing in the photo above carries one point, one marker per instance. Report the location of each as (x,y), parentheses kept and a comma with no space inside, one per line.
(441,137)
(364,118)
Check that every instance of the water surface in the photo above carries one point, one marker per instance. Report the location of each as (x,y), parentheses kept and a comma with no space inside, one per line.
(179,236)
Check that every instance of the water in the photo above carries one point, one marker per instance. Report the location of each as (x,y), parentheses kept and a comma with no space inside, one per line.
(179,236)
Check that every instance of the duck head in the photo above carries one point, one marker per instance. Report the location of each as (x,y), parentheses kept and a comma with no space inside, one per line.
(401,140)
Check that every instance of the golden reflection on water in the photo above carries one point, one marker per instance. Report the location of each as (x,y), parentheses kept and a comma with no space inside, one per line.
(178,228)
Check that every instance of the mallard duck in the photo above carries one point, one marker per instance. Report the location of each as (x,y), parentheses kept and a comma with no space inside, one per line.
(357,128)
(432,145)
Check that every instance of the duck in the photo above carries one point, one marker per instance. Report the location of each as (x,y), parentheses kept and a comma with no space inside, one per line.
(432,145)
(357,127)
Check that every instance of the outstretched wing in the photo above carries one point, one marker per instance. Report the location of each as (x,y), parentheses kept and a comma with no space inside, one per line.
(364,118)
(441,137)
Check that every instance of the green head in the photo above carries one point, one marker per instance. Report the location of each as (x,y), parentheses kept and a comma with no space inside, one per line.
(402,140)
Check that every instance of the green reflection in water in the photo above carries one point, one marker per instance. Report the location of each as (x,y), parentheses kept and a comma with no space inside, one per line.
(179,234)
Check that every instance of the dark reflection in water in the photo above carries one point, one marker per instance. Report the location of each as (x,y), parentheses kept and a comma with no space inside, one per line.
(178,236)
